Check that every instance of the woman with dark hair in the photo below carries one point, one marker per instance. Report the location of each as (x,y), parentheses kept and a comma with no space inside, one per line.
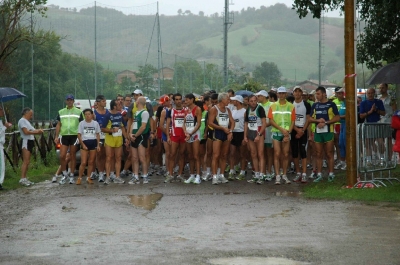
(27,132)
(89,139)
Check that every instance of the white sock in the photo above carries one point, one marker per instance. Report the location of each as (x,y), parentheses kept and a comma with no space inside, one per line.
(242,172)
(232,171)
(208,170)
(218,171)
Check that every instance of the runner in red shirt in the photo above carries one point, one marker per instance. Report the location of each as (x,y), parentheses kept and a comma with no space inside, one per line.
(176,137)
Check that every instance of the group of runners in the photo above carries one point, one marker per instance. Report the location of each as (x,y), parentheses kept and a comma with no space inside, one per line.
(216,137)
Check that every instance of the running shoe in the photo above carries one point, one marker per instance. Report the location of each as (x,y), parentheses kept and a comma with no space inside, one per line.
(344,166)
(24,182)
(278,180)
(241,177)
(285,178)
(101,177)
(222,179)
(145,180)
(304,178)
(267,177)
(297,178)
(197,180)
(215,180)
(71,180)
(191,179)
(180,178)
(169,178)
(63,180)
(253,180)
(231,176)
(318,179)
(107,181)
(89,181)
(78,181)
(118,180)
(331,177)
(324,164)
(206,176)
(134,180)
(260,181)
(312,175)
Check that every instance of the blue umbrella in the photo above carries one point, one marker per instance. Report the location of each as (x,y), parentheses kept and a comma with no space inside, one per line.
(8,94)
(244,93)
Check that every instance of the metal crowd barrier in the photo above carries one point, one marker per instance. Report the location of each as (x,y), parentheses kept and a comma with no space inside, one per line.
(375,154)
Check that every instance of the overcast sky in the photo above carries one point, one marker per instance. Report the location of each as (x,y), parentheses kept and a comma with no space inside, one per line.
(170,7)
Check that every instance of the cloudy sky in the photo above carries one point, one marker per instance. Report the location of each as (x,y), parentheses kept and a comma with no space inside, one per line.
(170,7)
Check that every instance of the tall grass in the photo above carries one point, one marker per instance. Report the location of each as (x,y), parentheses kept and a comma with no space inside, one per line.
(37,171)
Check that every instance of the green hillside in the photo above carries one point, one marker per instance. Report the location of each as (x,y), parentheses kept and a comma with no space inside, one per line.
(128,41)
(296,55)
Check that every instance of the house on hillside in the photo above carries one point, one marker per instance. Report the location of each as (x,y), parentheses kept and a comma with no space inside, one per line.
(312,84)
(128,74)
(167,73)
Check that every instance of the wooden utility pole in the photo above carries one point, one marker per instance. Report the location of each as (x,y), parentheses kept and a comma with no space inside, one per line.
(351,101)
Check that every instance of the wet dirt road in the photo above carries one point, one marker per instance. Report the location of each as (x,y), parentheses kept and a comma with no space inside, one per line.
(176,223)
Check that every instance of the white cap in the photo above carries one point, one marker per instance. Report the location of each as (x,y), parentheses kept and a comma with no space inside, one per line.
(282,89)
(273,89)
(147,99)
(77,104)
(137,92)
(297,87)
(237,98)
(262,93)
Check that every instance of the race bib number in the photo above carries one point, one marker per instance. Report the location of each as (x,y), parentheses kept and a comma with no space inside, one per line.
(189,126)
(322,130)
(102,135)
(252,126)
(118,133)
(223,121)
(300,120)
(89,132)
(178,122)
(135,125)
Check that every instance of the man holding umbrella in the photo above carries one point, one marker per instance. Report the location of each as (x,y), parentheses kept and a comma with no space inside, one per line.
(67,127)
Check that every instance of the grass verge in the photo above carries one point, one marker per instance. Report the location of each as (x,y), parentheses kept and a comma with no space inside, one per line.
(37,171)
(337,190)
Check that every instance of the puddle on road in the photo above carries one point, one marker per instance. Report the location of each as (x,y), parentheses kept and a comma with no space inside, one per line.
(288,194)
(147,202)
(255,261)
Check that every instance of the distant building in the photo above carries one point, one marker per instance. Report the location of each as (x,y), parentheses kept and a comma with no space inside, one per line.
(128,74)
(167,73)
(312,84)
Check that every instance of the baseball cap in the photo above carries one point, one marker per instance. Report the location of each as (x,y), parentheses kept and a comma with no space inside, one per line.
(262,93)
(137,92)
(237,98)
(147,99)
(305,93)
(312,92)
(339,89)
(297,87)
(273,89)
(77,105)
(69,96)
(282,89)
(163,99)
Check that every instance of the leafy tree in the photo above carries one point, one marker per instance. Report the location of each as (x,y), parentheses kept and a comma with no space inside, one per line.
(201,13)
(252,86)
(15,26)
(179,11)
(268,73)
(145,75)
(379,41)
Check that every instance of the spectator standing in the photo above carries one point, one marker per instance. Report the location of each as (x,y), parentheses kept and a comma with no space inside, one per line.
(3,128)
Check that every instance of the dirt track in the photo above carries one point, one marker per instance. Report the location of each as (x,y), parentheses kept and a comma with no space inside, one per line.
(234,223)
